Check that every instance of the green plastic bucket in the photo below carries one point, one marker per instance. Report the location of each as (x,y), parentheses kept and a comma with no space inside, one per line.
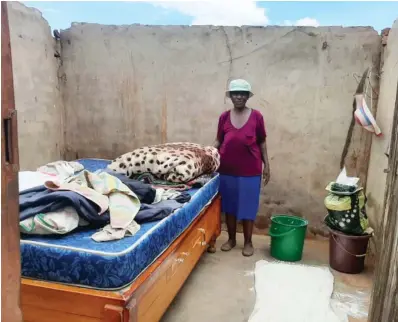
(287,237)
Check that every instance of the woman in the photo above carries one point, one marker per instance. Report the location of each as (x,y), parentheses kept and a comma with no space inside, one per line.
(241,140)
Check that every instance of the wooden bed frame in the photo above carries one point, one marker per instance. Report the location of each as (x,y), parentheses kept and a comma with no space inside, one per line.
(145,300)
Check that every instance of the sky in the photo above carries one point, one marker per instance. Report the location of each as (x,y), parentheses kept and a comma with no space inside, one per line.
(377,14)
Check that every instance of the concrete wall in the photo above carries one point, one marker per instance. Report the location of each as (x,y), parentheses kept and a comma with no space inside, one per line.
(127,86)
(378,159)
(37,96)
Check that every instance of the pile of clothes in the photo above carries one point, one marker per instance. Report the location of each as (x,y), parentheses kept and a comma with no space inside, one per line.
(147,184)
(62,196)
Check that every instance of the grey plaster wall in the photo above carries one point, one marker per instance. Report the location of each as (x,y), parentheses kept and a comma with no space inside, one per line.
(37,95)
(128,86)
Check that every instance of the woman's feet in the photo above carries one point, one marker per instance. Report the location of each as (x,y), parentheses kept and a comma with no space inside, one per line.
(226,247)
(248,250)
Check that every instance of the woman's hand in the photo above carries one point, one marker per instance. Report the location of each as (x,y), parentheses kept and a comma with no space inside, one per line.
(264,157)
(266,174)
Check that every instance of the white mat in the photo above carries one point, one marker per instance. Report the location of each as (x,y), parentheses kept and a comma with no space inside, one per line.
(291,292)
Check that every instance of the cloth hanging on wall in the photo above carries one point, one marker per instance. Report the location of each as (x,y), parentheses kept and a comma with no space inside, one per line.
(364,116)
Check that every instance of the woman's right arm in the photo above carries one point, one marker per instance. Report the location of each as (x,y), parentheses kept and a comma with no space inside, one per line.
(217,144)
(220,133)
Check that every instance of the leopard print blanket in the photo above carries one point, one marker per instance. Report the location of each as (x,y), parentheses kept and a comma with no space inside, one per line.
(173,162)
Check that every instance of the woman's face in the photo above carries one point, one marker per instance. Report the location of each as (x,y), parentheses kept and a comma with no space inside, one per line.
(239,99)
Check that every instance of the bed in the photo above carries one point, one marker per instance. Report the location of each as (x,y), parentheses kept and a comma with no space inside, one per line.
(76,279)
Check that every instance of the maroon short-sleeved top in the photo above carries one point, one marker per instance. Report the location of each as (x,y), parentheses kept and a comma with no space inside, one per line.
(240,148)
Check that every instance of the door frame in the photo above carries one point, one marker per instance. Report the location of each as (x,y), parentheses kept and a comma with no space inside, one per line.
(384,301)
(10,238)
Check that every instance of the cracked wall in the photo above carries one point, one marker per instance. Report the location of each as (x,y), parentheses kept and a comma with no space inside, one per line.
(37,94)
(128,86)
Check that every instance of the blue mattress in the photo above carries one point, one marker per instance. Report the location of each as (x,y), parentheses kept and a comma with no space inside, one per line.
(78,260)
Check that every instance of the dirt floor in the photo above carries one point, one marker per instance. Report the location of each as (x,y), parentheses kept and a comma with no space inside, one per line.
(221,288)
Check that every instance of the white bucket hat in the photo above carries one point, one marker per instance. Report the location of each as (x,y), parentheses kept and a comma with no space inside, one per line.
(239,85)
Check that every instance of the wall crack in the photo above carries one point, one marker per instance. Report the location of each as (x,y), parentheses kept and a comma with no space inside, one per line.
(228,46)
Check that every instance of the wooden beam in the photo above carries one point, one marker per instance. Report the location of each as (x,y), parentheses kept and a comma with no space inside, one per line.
(384,305)
(10,249)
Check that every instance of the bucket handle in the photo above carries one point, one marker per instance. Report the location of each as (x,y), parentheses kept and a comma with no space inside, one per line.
(281,235)
(343,248)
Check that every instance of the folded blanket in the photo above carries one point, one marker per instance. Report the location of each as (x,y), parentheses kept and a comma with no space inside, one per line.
(171,162)
(200,181)
(169,194)
(156,183)
(157,211)
(149,195)
(163,184)
(53,223)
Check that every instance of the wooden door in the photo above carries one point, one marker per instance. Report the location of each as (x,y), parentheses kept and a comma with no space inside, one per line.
(384,307)
(10,251)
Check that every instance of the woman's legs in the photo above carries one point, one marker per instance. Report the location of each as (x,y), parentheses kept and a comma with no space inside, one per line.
(231,226)
(248,249)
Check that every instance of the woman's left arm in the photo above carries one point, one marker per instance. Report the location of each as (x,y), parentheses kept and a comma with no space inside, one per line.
(264,157)
(262,142)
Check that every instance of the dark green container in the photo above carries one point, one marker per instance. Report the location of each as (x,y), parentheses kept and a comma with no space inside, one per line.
(287,237)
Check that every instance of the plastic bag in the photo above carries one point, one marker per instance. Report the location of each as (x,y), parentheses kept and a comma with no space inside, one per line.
(348,181)
(347,213)
(345,204)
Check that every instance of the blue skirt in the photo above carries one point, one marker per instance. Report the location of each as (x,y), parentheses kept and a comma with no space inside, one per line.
(240,196)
